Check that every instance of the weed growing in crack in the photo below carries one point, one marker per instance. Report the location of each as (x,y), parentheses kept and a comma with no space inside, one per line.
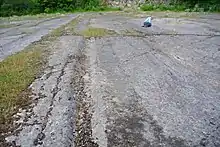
(97,32)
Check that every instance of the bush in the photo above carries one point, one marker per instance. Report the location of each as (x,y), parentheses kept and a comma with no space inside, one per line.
(18,7)
(22,7)
(162,7)
(183,5)
(147,7)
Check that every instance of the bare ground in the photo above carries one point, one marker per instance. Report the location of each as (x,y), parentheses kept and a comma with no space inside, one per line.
(141,87)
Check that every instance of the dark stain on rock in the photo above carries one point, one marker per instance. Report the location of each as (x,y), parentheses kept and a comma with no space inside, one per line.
(38,140)
(128,127)
(83,115)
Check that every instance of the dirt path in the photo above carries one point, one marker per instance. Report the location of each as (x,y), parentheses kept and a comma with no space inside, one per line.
(141,87)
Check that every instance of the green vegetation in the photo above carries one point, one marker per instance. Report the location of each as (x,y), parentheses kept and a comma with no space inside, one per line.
(70,28)
(163,7)
(30,17)
(96,32)
(30,7)
(183,5)
(16,73)
(6,25)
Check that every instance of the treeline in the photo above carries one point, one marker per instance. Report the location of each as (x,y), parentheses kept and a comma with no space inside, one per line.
(200,5)
(23,7)
(182,5)
(205,5)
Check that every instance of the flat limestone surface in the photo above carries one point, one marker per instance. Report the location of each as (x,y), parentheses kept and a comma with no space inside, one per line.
(50,120)
(159,89)
(138,87)
(20,34)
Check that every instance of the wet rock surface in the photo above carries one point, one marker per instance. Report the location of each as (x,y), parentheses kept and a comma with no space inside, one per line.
(141,87)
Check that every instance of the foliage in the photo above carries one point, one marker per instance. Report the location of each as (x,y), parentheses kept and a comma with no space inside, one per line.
(22,7)
(17,7)
(162,7)
(203,5)
(183,5)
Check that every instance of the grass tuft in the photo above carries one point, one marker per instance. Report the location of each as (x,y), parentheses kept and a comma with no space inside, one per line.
(16,73)
(31,17)
(97,32)
(4,26)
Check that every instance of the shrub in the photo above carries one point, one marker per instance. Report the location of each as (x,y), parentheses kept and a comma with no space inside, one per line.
(183,5)
(22,7)
(162,7)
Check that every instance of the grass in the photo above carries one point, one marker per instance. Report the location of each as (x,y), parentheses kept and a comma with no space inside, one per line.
(165,14)
(31,17)
(99,9)
(180,7)
(109,9)
(16,73)
(57,14)
(4,26)
(96,32)
(163,7)
(70,28)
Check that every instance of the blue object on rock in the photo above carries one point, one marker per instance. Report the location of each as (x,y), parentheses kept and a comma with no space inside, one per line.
(147,22)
